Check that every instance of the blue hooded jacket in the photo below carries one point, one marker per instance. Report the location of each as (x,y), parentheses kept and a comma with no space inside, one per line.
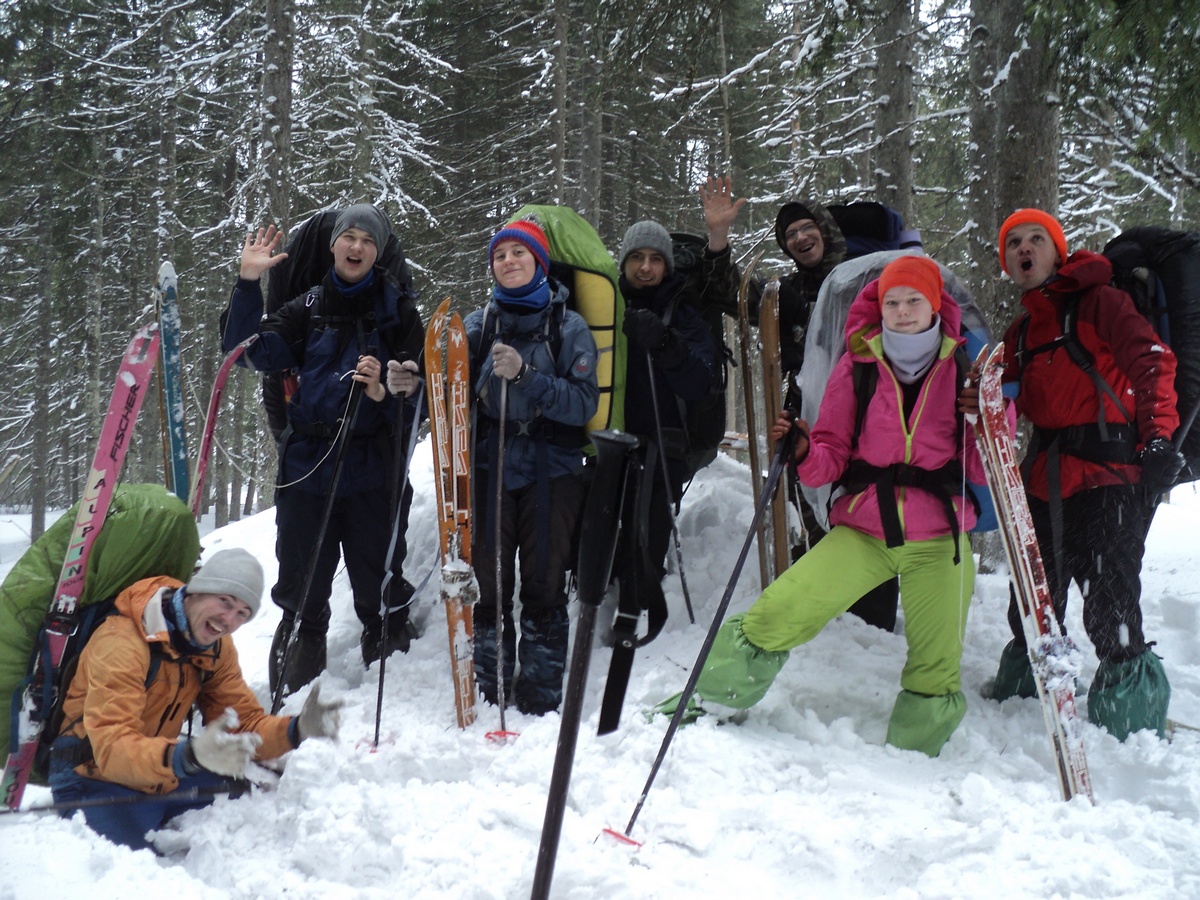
(563,391)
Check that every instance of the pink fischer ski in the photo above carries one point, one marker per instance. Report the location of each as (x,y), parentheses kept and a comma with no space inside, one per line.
(39,689)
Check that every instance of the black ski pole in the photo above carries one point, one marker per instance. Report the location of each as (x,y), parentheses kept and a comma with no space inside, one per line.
(666,472)
(597,546)
(782,457)
(499,570)
(339,457)
(385,609)
(196,793)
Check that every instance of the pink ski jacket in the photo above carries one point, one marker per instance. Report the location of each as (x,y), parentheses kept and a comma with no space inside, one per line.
(929,438)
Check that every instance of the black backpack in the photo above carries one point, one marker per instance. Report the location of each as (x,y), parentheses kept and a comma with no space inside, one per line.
(704,419)
(870,227)
(1160,269)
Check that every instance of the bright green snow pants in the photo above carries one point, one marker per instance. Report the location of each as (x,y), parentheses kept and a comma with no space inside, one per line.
(934,594)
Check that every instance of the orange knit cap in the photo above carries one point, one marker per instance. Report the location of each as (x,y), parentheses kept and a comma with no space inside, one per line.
(1035,217)
(917,272)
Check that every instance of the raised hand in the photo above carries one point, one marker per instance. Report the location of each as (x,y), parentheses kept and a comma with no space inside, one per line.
(258,253)
(720,209)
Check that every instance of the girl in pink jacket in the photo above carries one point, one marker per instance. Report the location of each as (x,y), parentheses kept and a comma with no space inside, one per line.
(904,510)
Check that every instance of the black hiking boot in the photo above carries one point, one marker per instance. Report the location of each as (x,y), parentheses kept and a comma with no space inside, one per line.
(306,661)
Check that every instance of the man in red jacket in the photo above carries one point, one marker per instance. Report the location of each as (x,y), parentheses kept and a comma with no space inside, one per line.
(1101,445)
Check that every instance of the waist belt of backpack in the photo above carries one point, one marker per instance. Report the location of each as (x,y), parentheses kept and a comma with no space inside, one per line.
(938,482)
(69,752)
(543,430)
(1092,442)
(634,597)
(323,431)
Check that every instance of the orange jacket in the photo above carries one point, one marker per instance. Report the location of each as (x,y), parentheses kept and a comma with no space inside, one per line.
(133,728)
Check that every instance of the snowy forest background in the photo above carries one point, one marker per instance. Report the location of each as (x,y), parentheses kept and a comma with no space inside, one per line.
(132,132)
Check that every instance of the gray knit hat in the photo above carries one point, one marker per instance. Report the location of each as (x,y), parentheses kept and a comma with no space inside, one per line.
(368,218)
(234,572)
(648,235)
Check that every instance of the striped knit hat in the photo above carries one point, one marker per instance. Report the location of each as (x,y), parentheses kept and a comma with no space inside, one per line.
(528,233)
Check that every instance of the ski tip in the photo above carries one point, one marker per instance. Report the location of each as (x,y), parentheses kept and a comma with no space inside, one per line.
(620,838)
(166,276)
(501,738)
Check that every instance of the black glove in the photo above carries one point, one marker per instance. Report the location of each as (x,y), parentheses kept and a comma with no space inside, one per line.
(644,327)
(1161,464)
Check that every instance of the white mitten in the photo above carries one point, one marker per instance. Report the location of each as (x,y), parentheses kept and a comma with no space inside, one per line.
(320,718)
(218,749)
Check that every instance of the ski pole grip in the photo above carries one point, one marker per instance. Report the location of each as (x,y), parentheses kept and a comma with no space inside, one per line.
(602,513)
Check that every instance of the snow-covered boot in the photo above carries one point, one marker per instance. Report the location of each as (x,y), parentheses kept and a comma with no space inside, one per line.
(485,653)
(1014,675)
(925,723)
(1130,696)
(543,652)
(737,673)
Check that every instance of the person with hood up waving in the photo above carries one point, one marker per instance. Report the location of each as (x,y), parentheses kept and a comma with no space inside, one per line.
(903,512)
(549,390)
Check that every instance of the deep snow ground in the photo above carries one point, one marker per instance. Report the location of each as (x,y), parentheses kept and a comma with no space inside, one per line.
(802,799)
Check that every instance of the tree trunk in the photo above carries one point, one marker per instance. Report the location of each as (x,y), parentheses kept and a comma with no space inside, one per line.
(276,132)
(561,78)
(893,168)
(982,153)
(1028,118)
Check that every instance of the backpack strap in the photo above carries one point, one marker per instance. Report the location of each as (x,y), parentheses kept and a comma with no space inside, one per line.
(1078,354)
(943,483)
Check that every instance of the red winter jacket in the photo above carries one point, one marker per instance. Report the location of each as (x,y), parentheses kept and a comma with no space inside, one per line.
(1056,393)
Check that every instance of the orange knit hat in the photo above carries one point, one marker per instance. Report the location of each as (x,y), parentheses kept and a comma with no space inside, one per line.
(917,272)
(1034,217)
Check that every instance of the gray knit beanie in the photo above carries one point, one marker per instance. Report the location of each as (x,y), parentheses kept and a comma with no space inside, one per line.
(234,572)
(648,235)
(368,218)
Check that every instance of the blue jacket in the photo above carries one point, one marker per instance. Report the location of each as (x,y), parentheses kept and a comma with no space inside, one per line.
(301,337)
(563,391)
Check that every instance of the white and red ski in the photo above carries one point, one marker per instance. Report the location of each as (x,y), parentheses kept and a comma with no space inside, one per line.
(1050,651)
(447,368)
(210,423)
(133,376)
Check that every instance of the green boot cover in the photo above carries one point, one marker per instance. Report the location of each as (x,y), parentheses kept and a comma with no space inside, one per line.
(1128,696)
(737,673)
(667,708)
(921,722)
(1014,675)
